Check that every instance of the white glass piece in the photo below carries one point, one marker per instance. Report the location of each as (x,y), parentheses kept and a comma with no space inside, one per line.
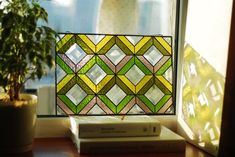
(96,74)
(96,110)
(75,53)
(153,55)
(154,94)
(168,40)
(135,110)
(60,73)
(168,74)
(133,39)
(134,74)
(76,94)
(95,38)
(115,54)
(116,94)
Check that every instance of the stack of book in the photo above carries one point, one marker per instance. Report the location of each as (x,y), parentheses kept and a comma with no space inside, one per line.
(97,135)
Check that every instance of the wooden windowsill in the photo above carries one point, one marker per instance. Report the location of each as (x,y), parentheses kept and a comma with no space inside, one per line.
(63,147)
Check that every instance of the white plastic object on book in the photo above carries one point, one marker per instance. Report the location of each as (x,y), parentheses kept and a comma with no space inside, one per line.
(168,141)
(110,126)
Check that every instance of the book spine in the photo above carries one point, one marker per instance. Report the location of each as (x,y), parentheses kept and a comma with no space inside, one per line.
(118,130)
(132,147)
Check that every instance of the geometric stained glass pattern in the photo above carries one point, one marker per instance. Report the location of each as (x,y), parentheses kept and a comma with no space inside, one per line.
(114,74)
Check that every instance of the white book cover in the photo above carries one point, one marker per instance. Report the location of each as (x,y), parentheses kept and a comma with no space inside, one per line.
(111,126)
(167,141)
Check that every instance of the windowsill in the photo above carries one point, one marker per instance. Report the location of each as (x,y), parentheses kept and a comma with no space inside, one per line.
(63,147)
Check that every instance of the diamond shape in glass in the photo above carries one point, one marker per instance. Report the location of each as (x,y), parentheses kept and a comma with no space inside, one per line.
(115,54)
(154,94)
(75,53)
(134,75)
(76,94)
(60,73)
(153,55)
(115,94)
(96,74)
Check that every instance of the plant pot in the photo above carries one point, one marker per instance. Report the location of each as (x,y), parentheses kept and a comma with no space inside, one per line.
(17,124)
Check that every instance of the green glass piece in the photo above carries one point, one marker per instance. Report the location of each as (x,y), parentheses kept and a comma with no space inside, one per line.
(124,102)
(106,47)
(103,66)
(146,87)
(67,45)
(108,86)
(164,68)
(142,67)
(162,102)
(127,66)
(63,65)
(88,65)
(83,85)
(62,41)
(67,86)
(68,102)
(84,46)
(147,102)
(144,48)
(123,47)
(162,87)
(108,103)
(123,86)
(161,48)
(84,102)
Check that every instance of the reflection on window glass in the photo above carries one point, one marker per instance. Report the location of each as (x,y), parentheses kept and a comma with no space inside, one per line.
(136,17)
(203,75)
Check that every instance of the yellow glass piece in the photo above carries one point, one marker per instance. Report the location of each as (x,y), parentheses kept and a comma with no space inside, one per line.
(64,82)
(164,44)
(165,82)
(128,83)
(103,42)
(143,82)
(63,41)
(141,43)
(88,82)
(127,43)
(88,42)
(103,82)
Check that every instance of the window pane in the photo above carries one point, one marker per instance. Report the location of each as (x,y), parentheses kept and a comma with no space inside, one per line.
(135,17)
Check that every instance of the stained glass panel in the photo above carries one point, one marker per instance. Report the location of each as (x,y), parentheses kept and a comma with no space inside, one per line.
(114,74)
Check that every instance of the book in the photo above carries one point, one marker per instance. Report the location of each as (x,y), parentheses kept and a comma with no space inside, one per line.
(167,141)
(110,126)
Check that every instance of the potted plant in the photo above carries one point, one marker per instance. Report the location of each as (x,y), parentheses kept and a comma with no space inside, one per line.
(25,51)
